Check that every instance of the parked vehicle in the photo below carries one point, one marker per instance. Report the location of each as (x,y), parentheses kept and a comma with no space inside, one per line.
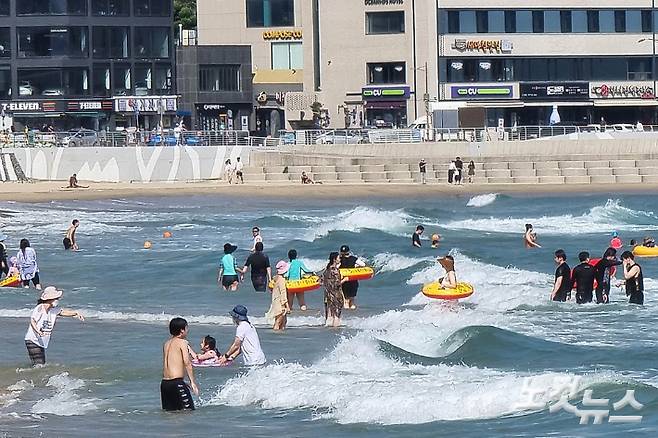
(82,137)
(52,92)
(25,89)
(339,137)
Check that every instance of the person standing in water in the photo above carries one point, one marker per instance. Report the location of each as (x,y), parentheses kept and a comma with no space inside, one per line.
(562,286)
(604,272)
(228,269)
(616,242)
(261,271)
(27,264)
(4,265)
(174,392)
(583,276)
(634,279)
(246,340)
(69,240)
(296,271)
(350,288)
(333,292)
(42,323)
(415,237)
(255,232)
(279,309)
(530,237)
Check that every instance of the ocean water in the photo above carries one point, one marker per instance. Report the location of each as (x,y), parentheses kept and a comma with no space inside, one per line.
(402,365)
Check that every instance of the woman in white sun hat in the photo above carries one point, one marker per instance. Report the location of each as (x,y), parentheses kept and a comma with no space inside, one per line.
(42,323)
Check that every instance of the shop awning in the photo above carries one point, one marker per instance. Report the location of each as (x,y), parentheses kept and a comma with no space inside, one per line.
(561,103)
(382,104)
(279,76)
(495,104)
(631,102)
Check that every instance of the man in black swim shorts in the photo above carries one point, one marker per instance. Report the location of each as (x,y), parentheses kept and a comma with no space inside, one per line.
(174,391)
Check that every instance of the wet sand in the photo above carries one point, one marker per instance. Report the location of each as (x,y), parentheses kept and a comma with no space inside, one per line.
(50,191)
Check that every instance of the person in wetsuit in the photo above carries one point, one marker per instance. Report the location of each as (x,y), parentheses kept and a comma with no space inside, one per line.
(350,288)
(583,278)
(562,286)
(603,272)
(634,278)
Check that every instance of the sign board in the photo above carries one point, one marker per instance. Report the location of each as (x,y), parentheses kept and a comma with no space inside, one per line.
(621,90)
(486,46)
(385,93)
(383,2)
(473,92)
(244,123)
(51,106)
(145,104)
(554,90)
(275,35)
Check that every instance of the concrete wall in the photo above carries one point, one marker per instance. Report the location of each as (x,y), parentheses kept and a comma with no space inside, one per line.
(140,164)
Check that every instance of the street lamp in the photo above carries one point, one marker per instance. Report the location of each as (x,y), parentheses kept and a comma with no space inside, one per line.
(426,99)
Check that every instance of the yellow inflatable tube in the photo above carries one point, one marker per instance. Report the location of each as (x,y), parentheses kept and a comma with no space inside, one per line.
(645,251)
(356,274)
(434,290)
(13,281)
(306,284)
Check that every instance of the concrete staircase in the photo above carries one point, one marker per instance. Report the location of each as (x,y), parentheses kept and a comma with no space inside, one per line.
(280,167)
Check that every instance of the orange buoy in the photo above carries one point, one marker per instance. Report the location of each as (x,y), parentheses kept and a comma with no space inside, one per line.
(167,234)
(147,245)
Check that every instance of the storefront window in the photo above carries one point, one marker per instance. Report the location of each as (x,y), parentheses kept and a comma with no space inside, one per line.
(121,79)
(53,82)
(51,7)
(143,79)
(5,82)
(5,43)
(385,22)
(102,80)
(4,7)
(286,56)
(110,7)
(579,21)
(52,41)
(151,42)
(270,13)
(163,79)
(110,42)
(152,8)
(387,73)
(219,78)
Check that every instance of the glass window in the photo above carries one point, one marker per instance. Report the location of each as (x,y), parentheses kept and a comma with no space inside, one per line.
(634,21)
(385,22)
(538,21)
(121,79)
(4,10)
(110,7)
(52,41)
(485,73)
(496,21)
(565,21)
(152,8)
(467,22)
(5,43)
(579,21)
(286,56)
(607,21)
(510,21)
(110,42)
(163,78)
(270,13)
(453,21)
(101,80)
(387,73)
(646,21)
(482,21)
(5,82)
(524,21)
(639,69)
(552,22)
(151,42)
(54,82)
(143,79)
(51,7)
(455,70)
(219,78)
(592,21)
(620,21)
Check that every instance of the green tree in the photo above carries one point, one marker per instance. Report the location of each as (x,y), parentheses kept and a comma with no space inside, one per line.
(185,13)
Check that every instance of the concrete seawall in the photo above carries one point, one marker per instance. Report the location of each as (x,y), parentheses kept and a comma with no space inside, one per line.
(128,164)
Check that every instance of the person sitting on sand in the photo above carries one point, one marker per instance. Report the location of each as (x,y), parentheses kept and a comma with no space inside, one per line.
(306,179)
(209,354)
(449,281)
(530,237)
(73,183)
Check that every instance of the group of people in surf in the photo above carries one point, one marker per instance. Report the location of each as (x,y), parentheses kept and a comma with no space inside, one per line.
(339,291)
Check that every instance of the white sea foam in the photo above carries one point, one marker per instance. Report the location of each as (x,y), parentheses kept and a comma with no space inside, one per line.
(482,200)
(65,401)
(357,383)
(12,395)
(387,262)
(600,219)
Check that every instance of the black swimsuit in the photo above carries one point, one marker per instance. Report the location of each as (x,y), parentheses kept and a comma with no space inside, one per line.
(635,287)
(175,395)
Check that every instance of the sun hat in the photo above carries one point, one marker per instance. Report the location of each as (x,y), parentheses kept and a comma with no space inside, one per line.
(344,249)
(228,248)
(51,293)
(239,312)
(447,264)
(282,267)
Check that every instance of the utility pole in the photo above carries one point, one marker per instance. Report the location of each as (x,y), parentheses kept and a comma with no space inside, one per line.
(428,117)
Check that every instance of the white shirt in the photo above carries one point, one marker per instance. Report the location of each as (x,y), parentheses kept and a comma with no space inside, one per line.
(239,166)
(250,348)
(45,322)
(257,239)
(27,263)
(228,169)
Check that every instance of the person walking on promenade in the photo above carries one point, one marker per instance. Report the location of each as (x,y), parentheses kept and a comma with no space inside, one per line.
(228,171)
(471,172)
(422,166)
(239,168)
(451,172)
(459,165)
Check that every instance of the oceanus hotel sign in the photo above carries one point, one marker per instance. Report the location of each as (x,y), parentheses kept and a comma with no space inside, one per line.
(621,90)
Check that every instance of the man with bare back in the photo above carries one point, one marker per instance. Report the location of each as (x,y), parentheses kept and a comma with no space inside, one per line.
(174,391)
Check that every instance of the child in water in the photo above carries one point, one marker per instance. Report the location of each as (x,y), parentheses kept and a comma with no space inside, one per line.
(209,354)
(435,240)
(13,267)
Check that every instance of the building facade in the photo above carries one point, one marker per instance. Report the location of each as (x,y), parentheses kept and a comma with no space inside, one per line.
(95,64)
(542,62)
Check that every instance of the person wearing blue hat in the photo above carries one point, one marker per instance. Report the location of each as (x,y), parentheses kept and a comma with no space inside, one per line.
(246,340)
(616,242)
(4,266)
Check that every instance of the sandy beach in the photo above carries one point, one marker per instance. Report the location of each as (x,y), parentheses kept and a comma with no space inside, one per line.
(50,191)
